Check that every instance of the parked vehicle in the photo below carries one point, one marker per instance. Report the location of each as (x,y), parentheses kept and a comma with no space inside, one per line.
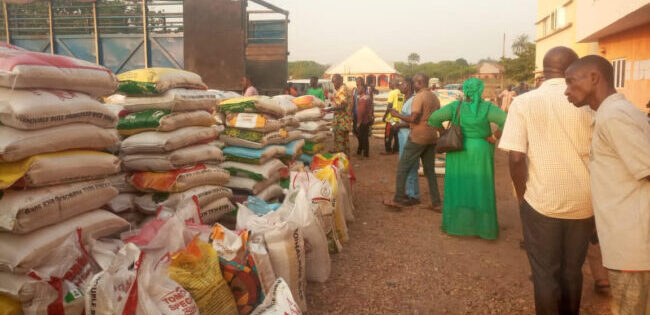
(301,86)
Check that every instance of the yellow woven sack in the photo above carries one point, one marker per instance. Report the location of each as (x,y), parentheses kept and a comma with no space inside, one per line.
(328,174)
(196,269)
(9,306)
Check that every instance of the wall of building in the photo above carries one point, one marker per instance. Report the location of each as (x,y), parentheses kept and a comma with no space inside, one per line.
(594,16)
(564,36)
(634,46)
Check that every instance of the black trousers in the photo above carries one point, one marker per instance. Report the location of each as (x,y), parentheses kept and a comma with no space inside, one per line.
(556,251)
(391,141)
(363,136)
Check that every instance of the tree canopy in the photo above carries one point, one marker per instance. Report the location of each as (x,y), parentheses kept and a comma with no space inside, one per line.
(447,71)
(306,69)
(522,67)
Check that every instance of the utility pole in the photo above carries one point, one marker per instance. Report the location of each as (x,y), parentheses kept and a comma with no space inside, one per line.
(503,55)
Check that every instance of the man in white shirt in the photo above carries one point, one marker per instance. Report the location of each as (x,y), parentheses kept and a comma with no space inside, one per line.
(620,181)
(548,142)
(506,98)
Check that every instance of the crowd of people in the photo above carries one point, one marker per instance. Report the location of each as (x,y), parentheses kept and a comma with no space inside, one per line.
(581,173)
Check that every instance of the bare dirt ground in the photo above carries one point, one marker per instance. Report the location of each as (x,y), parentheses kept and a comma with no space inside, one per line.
(402,263)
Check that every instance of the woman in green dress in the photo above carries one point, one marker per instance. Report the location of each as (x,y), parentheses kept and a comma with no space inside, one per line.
(469,206)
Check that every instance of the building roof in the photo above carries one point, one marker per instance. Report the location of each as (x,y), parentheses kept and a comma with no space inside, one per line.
(365,60)
(489,68)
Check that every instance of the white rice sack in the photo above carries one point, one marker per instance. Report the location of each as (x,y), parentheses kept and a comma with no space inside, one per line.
(296,208)
(204,195)
(315,137)
(179,180)
(20,253)
(250,185)
(267,170)
(285,245)
(274,137)
(22,69)
(313,113)
(157,80)
(173,160)
(273,192)
(58,168)
(121,183)
(161,142)
(27,210)
(206,215)
(313,126)
(176,100)
(18,144)
(252,121)
(121,203)
(162,120)
(278,301)
(37,109)
(253,104)
(285,102)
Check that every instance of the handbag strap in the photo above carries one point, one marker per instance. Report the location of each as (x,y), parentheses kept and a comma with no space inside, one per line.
(460,103)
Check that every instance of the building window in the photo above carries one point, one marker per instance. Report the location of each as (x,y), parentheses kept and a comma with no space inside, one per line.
(619,73)
(556,20)
(351,79)
(560,17)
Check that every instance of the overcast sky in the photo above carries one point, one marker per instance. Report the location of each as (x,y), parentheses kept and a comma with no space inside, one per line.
(327,31)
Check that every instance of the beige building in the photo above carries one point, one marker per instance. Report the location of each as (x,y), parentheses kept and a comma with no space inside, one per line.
(489,70)
(556,26)
(622,30)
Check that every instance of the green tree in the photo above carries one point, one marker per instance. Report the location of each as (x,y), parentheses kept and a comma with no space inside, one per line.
(520,44)
(306,69)
(414,58)
(522,67)
(462,62)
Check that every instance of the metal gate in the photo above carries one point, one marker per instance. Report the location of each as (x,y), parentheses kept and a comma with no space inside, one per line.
(110,33)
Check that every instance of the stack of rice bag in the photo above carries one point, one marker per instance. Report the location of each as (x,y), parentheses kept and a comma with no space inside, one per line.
(313,127)
(258,133)
(168,151)
(53,172)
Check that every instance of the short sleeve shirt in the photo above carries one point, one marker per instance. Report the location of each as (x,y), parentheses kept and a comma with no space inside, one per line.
(425,102)
(316,92)
(555,135)
(396,99)
(620,167)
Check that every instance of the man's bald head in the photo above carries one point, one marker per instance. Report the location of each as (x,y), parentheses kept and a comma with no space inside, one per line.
(557,60)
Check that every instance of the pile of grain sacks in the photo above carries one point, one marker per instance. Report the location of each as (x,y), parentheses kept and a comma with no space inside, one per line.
(53,178)
(313,126)
(169,151)
(258,134)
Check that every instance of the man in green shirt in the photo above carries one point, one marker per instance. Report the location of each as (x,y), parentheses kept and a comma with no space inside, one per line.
(314,89)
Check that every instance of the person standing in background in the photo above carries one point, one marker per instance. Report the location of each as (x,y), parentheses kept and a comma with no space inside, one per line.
(548,167)
(342,123)
(420,145)
(360,84)
(506,97)
(365,117)
(249,89)
(395,101)
(314,89)
(620,181)
(470,207)
(404,130)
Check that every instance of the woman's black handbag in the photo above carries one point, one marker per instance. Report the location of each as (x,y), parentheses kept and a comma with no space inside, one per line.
(451,138)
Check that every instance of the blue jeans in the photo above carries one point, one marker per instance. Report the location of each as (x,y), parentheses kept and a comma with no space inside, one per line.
(413,152)
(412,181)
